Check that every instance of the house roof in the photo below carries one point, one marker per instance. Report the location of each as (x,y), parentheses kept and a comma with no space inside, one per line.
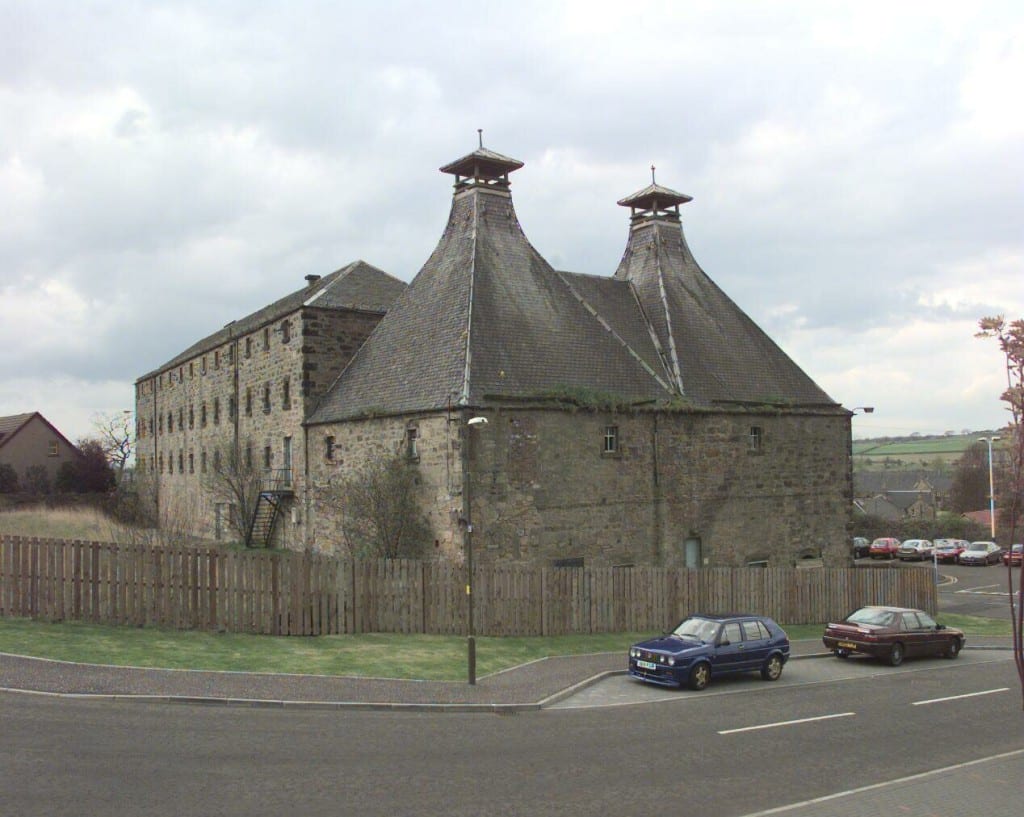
(13,423)
(10,425)
(357,286)
(488,320)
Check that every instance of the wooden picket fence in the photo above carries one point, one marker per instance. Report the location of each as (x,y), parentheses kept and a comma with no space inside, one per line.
(284,593)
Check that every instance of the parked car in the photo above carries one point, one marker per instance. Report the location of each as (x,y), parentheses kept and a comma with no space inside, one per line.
(702,647)
(884,547)
(861,547)
(981,553)
(1014,556)
(949,550)
(892,634)
(915,550)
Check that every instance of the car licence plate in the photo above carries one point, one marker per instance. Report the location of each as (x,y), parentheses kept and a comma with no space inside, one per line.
(646,665)
(847,645)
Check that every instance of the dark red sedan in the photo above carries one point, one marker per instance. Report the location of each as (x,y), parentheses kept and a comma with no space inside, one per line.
(1013,556)
(892,634)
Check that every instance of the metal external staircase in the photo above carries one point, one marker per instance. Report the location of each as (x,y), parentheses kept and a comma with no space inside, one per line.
(275,487)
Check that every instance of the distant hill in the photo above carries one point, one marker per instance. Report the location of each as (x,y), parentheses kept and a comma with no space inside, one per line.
(914,451)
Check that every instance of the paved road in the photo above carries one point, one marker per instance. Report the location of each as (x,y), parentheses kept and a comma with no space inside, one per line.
(772,747)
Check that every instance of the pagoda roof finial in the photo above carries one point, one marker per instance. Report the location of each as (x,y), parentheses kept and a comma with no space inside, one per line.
(482,166)
(655,200)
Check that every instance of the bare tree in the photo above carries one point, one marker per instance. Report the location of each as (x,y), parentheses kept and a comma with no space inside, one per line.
(116,436)
(379,511)
(234,481)
(1011,343)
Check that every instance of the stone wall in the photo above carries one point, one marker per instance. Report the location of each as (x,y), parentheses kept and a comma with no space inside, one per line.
(253,391)
(743,487)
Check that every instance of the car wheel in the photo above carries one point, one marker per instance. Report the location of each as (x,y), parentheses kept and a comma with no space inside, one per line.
(772,669)
(953,650)
(700,675)
(842,654)
(896,654)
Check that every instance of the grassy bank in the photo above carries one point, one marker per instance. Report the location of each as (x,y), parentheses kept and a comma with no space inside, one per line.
(423,657)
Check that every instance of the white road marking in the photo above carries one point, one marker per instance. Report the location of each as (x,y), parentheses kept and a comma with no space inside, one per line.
(785,723)
(875,786)
(958,697)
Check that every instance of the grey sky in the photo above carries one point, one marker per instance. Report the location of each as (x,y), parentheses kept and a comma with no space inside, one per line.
(857,172)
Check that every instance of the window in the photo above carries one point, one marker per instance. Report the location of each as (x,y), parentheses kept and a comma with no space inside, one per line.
(248,347)
(755,631)
(231,408)
(170,422)
(329,448)
(248,401)
(191,369)
(216,459)
(755,440)
(202,416)
(611,440)
(216,359)
(411,436)
(160,459)
(181,462)
(231,355)
(191,462)
(266,398)
(248,455)
(191,416)
(181,374)
(267,457)
(286,394)
(286,331)
(216,411)
(181,418)
(52,449)
(202,365)
(266,338)
(160,423)
(731,633)
(202,460)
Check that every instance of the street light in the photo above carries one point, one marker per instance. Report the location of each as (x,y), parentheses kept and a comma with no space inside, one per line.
(991,490)
(467,498)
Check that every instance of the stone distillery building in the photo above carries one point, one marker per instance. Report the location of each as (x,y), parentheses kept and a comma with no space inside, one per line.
(548,416)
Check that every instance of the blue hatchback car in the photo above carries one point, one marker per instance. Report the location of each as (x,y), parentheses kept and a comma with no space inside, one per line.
(705,646)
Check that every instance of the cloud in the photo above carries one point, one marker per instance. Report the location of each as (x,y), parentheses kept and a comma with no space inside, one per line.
(168,167)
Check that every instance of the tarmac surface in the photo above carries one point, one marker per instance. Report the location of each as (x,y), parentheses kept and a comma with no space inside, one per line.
(989,785)
(531,686)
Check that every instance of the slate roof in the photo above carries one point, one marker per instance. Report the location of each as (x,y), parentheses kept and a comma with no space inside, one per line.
(357,286)
(9,425)
(487,320)
(13,423)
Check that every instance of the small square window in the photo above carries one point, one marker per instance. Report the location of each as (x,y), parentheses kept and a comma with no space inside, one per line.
(52,449)
(611,440)
(755,440)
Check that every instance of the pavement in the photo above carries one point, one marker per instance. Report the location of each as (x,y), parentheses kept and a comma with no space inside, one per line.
(526,687)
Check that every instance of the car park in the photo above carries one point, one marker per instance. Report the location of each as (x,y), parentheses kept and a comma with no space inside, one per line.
(981,553)
(861,547)
(949,550)
(884,547)
(702,647)
(1014,556)
(915,550)
(891,634)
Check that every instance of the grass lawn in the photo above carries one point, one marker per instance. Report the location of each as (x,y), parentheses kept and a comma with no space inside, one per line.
(421,657)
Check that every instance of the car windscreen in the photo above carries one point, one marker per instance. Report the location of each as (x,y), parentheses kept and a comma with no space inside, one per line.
(869,615)
(702,629)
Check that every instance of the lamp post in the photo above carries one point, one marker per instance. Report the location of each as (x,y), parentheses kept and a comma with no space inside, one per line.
(991,488)
(467,501)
